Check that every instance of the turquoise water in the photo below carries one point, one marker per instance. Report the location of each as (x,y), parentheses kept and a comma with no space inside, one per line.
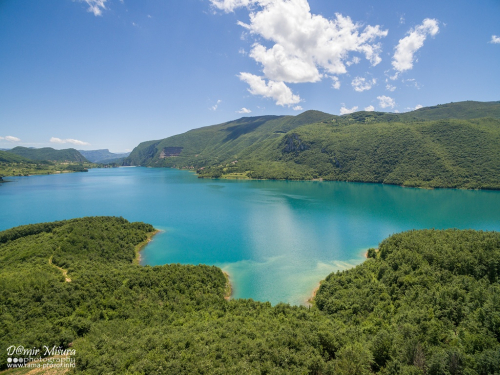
(276,239)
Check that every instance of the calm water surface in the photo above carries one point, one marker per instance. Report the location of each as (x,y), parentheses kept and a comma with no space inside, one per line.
(276,239)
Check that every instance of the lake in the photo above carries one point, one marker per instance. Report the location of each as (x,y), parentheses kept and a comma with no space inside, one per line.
(276,239)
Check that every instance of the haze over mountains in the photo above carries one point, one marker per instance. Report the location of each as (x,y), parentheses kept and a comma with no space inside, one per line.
(102,156)
(454,145)
(66,155)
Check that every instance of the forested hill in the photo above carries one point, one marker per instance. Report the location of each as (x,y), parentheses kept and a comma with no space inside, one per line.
(48,153)
(213,144)
(454,145)
(8,157)
(426,303)
(460,110)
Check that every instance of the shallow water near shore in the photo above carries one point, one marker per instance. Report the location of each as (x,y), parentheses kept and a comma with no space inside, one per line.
(276,239)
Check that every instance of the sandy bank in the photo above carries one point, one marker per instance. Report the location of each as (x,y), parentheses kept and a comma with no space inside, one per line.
(228,292)
(139,247)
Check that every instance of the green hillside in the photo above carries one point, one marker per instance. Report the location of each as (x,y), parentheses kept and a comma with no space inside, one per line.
(212,144)
(461,149)
(426,303)
(48,153)
(445,153)
(7,157)
(460,110)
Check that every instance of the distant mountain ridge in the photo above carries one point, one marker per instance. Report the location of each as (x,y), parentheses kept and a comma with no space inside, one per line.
(452,145)
(48,153)
(102,156)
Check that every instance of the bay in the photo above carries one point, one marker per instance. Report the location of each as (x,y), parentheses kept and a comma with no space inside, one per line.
(276,239)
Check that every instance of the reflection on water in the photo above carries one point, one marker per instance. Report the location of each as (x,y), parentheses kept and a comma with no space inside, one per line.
(276,239)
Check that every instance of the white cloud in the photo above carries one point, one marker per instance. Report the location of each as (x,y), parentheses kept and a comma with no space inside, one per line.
(386,101)
(404,56)
(214,108)
(278,91)
(361,84)
(298,108)
(12,139)
(230,5)
(244,110)
(2,138)
(95,6)
(370,108)
(411,82)
(336,82)
(418,106)
(495,39)
(305,47)
(69,140)
(390,87)
(355,60)
(346,111)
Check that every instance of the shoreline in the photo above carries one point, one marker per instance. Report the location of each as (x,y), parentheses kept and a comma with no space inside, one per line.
(228,289)
(310,301)
(142,245)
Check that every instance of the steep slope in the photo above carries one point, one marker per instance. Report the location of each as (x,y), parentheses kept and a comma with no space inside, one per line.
(445,153)
(459,150)
(212,144)
(48,153)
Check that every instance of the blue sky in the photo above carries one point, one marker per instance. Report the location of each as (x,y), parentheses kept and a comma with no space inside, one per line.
(97,74)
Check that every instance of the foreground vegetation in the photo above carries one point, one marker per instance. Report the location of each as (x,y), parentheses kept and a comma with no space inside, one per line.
(455,145)
(426,303)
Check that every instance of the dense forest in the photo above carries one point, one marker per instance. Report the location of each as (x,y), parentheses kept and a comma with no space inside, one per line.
(427,302)
(455,145)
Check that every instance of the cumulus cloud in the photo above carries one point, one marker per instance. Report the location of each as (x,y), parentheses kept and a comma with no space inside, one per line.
(405,51)
(361,84)
(346,111)
(304,47)
(390,87)
(214,107)
(495,39)
(244,110)
(298,108)
(95,6)
(336,82)
(370,108)
(418,106)
(69,140)
(11,138)
(278,91)
(355,60)
(386,101)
